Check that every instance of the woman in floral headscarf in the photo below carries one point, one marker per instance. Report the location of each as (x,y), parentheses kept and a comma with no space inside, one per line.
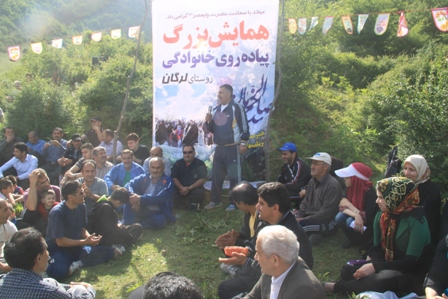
(416,169)
(399,258)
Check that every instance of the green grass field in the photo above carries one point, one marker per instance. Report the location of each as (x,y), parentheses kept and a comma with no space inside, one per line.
(186,249)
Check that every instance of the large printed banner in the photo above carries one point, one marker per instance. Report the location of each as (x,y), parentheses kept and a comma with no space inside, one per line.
(200,45)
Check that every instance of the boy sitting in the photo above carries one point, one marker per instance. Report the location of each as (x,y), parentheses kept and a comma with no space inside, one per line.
(47,203)
(6,190)
(103,220)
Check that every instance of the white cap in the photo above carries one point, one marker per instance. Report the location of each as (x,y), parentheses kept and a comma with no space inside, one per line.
(321,156)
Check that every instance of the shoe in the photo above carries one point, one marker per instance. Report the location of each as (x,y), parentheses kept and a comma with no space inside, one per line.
(75,266)
(315,239)
(347,244)
(229,269)
(231,207)
(212,205)
(119,248)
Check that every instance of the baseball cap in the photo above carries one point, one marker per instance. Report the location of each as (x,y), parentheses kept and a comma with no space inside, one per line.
(321,156)
(355,169)
(96,118)
(288,146)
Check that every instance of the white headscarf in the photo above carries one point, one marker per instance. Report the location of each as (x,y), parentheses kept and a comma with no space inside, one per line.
(423,171)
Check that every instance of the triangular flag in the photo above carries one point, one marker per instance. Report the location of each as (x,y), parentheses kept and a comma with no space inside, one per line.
(302,25)
(36,47)
(314,21)
(57,43)
(77,40)
(292,25)
(361,22)
(440,18)
(328,22)
(115,34)
(14,53)
(402,26)
(96,36)
(381,23)
(133,31)
(348,25)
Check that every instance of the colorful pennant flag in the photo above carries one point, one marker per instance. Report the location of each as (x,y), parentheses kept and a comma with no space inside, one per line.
(36,47)
(361,22)
(314,21)
(302,25)
(292,25)
(348,25)
(328,22)
(115,34)
(96,36)
(133,31)
(57,43)
(381,23)
(77,40)
(440,18)
(14,53)
(403,29)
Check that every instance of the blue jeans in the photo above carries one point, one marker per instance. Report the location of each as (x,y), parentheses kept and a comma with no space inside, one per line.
(63,257)
(343,221)
(148,218)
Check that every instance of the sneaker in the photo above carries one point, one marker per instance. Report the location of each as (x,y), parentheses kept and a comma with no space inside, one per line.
(315,239)
(119,248)
(212,205)
(229,269)
(75,266)
(231,207)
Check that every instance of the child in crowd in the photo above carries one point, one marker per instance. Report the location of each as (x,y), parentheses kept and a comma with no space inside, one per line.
(17,194)
(47,203)
(6,190)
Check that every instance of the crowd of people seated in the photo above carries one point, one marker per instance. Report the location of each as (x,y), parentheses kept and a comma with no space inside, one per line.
(74,196)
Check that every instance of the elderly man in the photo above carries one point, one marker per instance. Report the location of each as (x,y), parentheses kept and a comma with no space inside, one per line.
(157,151)
(102,165)
(93,187)
(34,144)
(152,198)
(22,162)
(189,176)
(53,151)
(28,255)
(273,209)
(230,129)
(108,144)
(295,173)
(124,172)
(69,243)
(7,229)
(321,203)
(284,275)
(7,144)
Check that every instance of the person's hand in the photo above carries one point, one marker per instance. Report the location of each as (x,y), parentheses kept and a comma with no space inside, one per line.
(136,207)
(61,161)
(208,117)
(184,191)
(344,202)
(34,175)
(9,138)
(87,190)
(93,240)
(302,193)
(237,258)
(364,271)
(46,145)
(227,239)
(84,284)
(243,149)
(55,143)
(68,174)
(134,199)
(359,224)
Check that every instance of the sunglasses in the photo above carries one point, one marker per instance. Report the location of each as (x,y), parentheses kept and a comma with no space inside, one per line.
(187,153)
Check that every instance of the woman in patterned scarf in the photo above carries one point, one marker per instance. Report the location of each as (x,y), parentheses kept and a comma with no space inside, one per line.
(416,169)
(399,258)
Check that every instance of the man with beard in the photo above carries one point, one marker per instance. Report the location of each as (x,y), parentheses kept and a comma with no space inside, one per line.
(102,165)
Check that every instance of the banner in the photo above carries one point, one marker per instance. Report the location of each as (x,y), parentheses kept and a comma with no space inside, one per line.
(348,25)
(14,53)
(77,40)
(302,25)
(133,31)
(115,34)
(440,18)
(328,22)
(198,48)
(36,47)
(362,19)
(402,26)
(292,25)
(381,23)
(96,37)
(57,43)
(314,22)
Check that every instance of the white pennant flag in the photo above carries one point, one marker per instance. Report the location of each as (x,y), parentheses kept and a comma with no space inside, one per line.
(36,47)
(314,22)
(57,43)
(115,34)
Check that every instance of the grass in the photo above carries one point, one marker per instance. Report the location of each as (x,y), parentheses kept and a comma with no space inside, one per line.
(186,248)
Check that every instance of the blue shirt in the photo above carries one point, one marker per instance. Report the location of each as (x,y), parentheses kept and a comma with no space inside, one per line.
(65,222)
(116,175)
(23,168)
(37,147)
(53,153)
(110,147)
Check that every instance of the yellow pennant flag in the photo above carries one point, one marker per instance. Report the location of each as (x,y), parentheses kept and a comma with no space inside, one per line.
(292,25)
(115,34)
(348,25)
(77,40)
(36,47)
(133,31)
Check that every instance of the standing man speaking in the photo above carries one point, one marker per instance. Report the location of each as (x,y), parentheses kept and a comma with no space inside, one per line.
(228,123)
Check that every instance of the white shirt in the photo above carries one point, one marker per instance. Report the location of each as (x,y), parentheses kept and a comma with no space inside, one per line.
(276,283)
(110,147)
(23,168)
(6,231)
